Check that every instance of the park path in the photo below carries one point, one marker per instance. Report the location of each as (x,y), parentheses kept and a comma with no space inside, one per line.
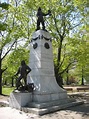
(77,112)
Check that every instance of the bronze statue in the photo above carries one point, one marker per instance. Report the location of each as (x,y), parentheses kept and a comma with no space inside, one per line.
(23,70)
(40,19)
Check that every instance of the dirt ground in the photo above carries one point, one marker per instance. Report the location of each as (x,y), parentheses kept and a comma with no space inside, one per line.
(77,112)
(4,97)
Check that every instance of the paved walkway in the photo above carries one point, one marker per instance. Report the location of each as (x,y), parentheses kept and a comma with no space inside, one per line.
(77,112)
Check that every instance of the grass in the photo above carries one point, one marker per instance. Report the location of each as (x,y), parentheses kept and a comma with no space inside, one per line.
(7,90)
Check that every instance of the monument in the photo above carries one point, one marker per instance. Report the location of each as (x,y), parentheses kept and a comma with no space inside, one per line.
(47,96)
(42,74)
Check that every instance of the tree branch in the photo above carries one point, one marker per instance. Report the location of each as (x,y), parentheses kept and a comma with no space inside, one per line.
(76,25)
(63,57)
(64,26)
(2,70)
(9,49)
(56,26)
(66,68)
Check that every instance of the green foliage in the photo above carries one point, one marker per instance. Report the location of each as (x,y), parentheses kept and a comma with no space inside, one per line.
(68,20)
(3,27)
(4,5)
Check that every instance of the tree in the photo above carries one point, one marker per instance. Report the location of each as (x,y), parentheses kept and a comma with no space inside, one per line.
(15,29)
(83,57)
(3,27)
(10,33)
(64,18)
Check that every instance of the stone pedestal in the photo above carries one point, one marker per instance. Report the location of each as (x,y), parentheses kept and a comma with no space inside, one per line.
(47,96)
(18,100)
(42,74)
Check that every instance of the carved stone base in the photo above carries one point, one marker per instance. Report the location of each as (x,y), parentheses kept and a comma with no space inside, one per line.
(47,97)
(19,99)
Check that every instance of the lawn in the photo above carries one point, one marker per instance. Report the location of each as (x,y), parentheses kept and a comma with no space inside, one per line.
(7,90)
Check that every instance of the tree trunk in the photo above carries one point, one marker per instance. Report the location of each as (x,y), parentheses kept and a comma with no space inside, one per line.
(57,68)
(67,81)
(5,83)
(0,77)
(0,83)
(82,83)
(59,52)
(12,82)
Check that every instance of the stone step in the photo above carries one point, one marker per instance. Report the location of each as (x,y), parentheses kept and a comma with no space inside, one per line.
(49,109)
(49,104)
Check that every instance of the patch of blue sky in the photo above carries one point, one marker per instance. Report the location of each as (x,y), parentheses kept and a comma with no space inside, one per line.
(3,1)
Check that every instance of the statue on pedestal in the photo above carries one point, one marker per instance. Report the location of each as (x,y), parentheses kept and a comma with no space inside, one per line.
(40,19)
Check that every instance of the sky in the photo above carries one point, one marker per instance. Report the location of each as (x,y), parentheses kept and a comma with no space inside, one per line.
(3,0)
